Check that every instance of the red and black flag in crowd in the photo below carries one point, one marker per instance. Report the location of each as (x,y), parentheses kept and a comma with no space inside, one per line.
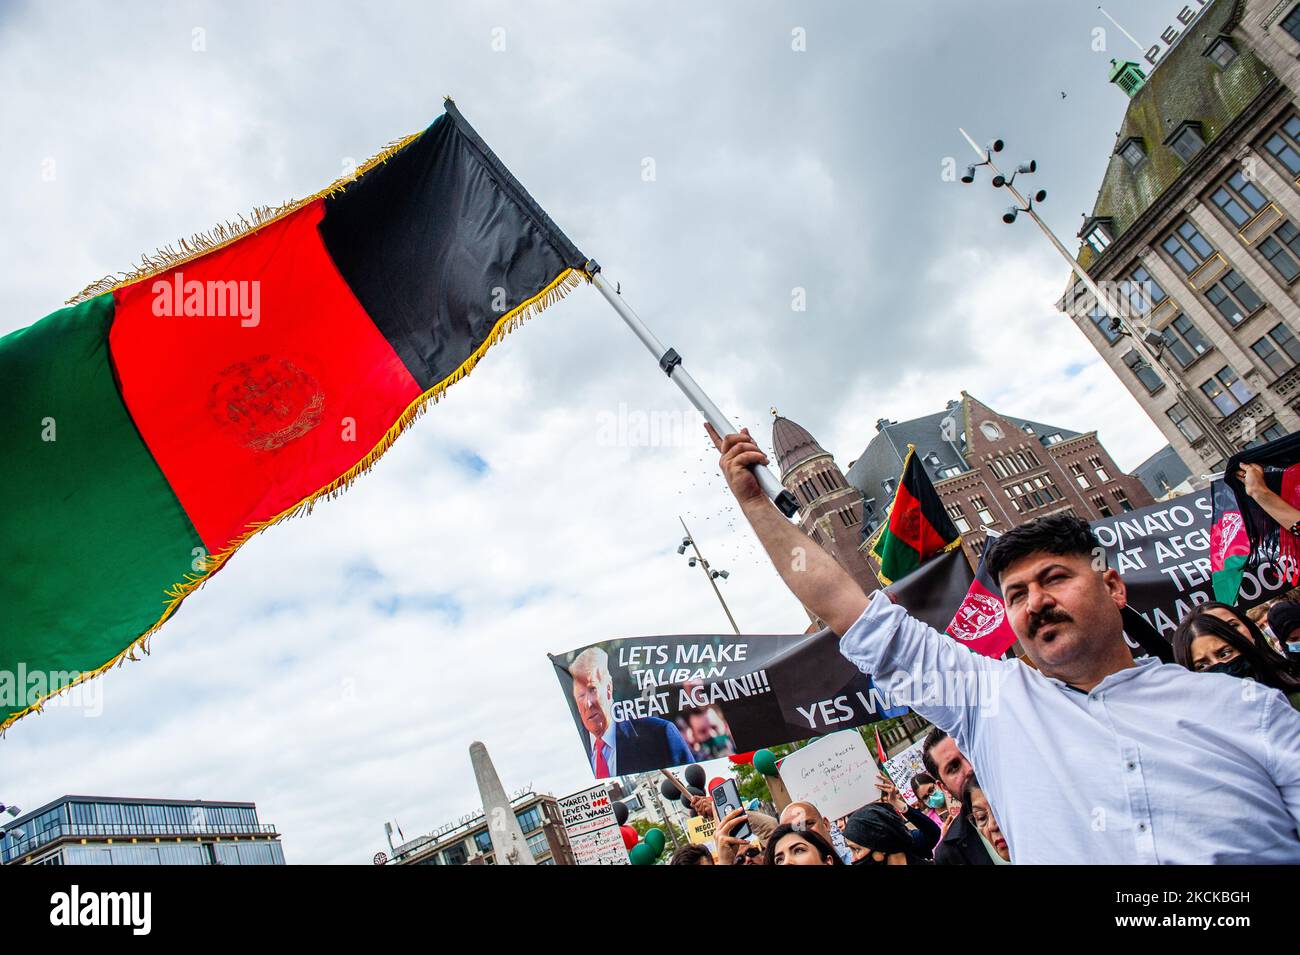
(918,526)
(1266,540)
(168,415)
(981,621)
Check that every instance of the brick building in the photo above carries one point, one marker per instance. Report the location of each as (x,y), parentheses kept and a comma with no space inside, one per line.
(990,470)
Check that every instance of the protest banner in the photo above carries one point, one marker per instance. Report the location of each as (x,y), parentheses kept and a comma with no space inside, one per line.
(1163,554)
(593,829)
(835,773)
(646,703)
(901,767)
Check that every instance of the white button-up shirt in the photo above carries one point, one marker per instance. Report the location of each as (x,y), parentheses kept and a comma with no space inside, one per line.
(1157,764)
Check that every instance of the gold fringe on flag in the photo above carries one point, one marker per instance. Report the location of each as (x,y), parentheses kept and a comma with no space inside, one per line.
(563,283)
(223,234)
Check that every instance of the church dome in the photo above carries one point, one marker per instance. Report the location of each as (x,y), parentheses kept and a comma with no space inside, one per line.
(792,444)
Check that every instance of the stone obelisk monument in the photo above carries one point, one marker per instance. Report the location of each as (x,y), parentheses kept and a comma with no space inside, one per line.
(508,841)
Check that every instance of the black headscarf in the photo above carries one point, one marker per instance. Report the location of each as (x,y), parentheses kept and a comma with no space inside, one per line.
(879,828)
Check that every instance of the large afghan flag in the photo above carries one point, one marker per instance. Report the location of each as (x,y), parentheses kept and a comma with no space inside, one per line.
(918,527)
(156,424)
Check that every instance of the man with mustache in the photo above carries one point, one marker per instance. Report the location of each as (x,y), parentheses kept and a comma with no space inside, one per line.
(1088,756)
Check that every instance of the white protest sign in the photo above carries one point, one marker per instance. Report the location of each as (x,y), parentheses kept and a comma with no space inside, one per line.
(594,835)
(901,767)
(835,773)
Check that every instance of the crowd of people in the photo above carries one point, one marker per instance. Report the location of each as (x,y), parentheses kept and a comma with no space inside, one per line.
(1085,754)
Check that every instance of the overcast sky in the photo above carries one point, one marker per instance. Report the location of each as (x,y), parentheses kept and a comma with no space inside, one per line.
(336,671)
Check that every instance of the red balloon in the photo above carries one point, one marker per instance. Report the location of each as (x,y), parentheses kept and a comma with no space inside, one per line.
(741,758)
(630,838)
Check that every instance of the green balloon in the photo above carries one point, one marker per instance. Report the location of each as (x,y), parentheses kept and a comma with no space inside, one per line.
(765,762)
(656,840)
(642,854)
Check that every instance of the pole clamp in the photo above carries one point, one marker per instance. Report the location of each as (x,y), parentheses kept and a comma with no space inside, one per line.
(669,361)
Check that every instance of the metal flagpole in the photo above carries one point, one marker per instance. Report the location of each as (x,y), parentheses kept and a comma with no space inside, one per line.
(671,363)
(1187,399)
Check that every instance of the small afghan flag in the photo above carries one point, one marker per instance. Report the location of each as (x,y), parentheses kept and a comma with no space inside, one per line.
(918,527)
(981,621)
(153,427)
(1229,544)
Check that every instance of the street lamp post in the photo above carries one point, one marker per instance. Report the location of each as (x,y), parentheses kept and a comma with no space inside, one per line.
(711,574)
(1151,356)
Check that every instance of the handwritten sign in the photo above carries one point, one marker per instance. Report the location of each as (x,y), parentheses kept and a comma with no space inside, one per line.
(901,767)
(835,773)
(594,836)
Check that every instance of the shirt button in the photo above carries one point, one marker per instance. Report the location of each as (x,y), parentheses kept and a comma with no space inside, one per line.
(1131,765)
(1142,827)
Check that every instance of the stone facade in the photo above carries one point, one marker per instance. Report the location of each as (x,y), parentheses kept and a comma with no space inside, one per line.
(1243,108)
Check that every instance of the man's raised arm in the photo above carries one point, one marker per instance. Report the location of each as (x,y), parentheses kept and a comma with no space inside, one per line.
(812,575)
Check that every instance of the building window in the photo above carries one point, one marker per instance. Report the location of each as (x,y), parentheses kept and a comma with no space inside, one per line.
(959,518)
(1285,143)
(1143,371)
(483,840)
(1133,152)
(1100,504)
(1080,478)
(1233,297)
(1226,391)
(1144,292)
(949,472)
(982,511)
(1186,140)
(1184,340)
(1122,499)
(1279,349)
(1238,199)
(1033,458)
(1109,327)
(1221,52)
(1187,247)
(1291,23)
(1098,238)
(1054,438)
(1098,468)
(530,819)
(1281,249)
(1185,423)
(888,486)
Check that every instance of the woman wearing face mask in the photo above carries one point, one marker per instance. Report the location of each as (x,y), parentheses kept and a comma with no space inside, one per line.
(796,845)
(976,808)
(1284,621)
(930,797)
(1216,638)
(877,835)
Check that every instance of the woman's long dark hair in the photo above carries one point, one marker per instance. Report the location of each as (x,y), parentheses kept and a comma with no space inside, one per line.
(1268,666)
(824,848)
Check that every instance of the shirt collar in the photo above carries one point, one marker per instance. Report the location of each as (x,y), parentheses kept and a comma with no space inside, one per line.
(610,734)
(1140,665)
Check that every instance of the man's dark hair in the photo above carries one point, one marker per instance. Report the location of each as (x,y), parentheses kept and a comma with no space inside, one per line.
(932,739)
(690,855)
(1061,534)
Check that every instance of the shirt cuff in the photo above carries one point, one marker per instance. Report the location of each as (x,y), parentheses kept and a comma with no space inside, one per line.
(864,644)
